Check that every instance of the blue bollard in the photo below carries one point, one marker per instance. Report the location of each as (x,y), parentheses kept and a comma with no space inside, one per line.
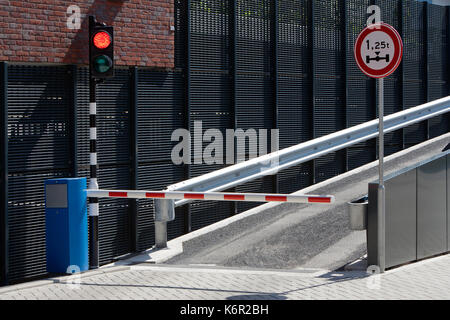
(66,225)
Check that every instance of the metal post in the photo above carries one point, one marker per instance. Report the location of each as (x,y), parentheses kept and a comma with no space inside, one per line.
(233,34)
(312,70)
(381,188)
(73,74)
(93,184)
(161,234)
(447,51)
(4,226)
(403,76)
(274,74)
(164,212)
(344,31)
(188,215)
(134,161)
(426,76)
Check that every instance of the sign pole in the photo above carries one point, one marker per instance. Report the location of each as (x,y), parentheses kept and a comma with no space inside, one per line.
(381,188)
(378,52)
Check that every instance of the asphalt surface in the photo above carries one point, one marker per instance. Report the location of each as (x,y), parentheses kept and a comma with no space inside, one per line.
(290,236)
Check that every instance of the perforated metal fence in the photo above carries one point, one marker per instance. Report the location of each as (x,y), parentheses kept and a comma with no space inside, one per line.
(285,64)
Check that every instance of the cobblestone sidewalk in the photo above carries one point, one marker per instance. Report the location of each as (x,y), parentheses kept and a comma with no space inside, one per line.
(429,279)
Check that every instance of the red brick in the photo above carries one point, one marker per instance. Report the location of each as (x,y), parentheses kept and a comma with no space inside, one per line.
(36,31)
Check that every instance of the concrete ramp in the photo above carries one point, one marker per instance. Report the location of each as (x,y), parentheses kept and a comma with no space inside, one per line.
(291,236)
(284,237)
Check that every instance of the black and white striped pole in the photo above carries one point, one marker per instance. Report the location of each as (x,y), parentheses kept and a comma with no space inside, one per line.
(93,182)
(101,66)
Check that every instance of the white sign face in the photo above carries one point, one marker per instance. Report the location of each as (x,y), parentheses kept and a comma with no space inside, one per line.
(378,50)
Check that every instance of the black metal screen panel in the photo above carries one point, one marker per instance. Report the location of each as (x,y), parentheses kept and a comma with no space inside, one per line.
(210,108)
(206,213)
(254,59)
(329,81)
(209,34)
(393,93)
(38,118)
(392,103)
(160,112)
(39,139)
(295,111)
(114,227)
(26,208)
(254,84)
(210,99)
(254,104)
(294,73)
(414,65)
(360,90)
(181,29)
(253,36)
(437,44)
(296,178)
(359,156)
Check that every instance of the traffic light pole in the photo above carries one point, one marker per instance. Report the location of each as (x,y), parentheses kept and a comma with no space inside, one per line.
(93,184)
(101,66)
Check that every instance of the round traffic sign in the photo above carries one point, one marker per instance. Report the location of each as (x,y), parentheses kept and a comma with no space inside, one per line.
(378,50)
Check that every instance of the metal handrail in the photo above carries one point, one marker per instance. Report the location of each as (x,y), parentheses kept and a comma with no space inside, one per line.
(272,163)
(234,175)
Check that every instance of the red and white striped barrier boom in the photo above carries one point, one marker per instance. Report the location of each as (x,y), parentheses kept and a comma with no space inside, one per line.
(211,196)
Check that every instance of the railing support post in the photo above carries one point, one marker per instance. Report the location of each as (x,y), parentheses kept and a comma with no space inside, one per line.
(164,212)
(160,234)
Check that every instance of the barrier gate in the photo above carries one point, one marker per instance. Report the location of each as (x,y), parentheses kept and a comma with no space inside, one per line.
(210,196)
(66,214)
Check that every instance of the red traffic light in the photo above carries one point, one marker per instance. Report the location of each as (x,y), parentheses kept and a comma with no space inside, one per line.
(102,40)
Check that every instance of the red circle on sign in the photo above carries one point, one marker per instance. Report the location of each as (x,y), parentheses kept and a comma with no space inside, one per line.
(102,40)
(398,44)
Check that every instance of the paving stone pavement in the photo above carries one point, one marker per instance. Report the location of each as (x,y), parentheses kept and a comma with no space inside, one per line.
(429,279)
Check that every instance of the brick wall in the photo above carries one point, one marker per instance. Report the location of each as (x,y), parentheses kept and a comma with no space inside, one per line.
(37,31)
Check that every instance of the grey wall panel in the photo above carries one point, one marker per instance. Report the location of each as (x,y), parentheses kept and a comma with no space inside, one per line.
(372,225)
(431,209)
(401,219)
(448,203)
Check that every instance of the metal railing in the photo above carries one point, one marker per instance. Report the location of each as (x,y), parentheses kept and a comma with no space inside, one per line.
(274,162)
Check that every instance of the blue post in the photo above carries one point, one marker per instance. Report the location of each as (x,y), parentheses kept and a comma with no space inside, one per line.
(66,225)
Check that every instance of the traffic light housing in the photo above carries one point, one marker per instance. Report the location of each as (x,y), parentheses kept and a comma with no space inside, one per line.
(101,50)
